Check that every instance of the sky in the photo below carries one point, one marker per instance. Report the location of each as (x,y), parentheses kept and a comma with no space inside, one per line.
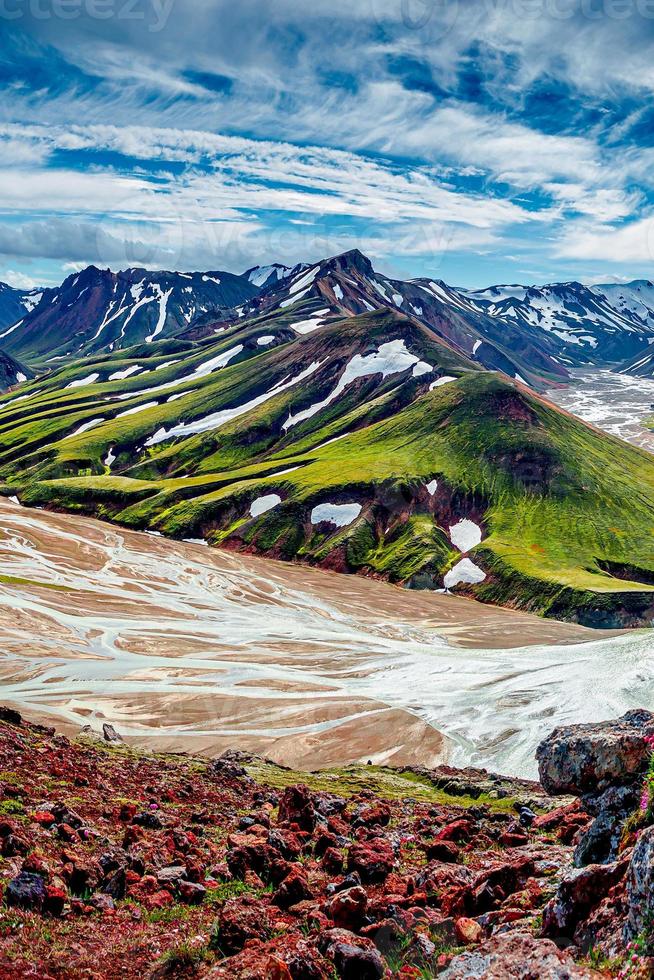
(477,141)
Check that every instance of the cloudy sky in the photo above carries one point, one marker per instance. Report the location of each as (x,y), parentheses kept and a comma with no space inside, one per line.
(478,141)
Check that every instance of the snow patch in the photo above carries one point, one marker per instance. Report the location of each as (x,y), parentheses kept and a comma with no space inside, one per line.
(32,301)
(110,459)
(11,329)
(128,372)
(431,487)
(180,394)
(293,299)
(263,504)
(136,409)
(20,377)
(308,326)
(266,341)
(82,382)
(465,535)
(391,358)
(339,514)
(85,427)
(445,380)
(304,280)
(465,572)
(272,476)
(163,307)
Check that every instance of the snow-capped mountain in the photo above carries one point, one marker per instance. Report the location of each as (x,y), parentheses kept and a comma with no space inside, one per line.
(531,333)
(15,303)
(263,276)
(347,285)
(633,299)
(98,310)
(578,324)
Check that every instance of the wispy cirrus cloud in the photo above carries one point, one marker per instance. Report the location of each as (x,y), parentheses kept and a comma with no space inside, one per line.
(473,137)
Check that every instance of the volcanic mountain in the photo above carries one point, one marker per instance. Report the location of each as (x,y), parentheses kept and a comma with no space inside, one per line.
(97,310)
(531,333)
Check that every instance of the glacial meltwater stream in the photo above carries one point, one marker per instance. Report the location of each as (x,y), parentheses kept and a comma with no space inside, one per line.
(184,647)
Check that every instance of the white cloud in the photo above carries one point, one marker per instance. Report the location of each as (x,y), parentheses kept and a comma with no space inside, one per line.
(18,279)
(629,243)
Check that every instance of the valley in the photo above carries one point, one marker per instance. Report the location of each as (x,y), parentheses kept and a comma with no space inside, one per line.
(183,647)
(620,404)
(335,422)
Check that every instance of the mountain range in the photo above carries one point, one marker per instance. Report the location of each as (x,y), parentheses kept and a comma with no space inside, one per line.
(98,310)
(357,423)
(529,332)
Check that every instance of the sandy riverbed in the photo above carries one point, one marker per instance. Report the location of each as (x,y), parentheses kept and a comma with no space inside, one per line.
(184,647)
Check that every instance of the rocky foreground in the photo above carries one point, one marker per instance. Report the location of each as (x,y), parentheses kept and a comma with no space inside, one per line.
(124,864)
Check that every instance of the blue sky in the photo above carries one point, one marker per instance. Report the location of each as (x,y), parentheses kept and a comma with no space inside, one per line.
(486,141)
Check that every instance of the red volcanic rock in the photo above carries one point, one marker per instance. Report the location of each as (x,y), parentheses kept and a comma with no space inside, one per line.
(468,931)
(293,889)
(286,842)
(339,826)
(158,900)
(278,903)
(252,964)
(292,957)
(240,920)
(251,855)
(323,841)
(374,860)
(37,864)
(560,815)
(191,892)
(516,954)
(347,908)
(332,861)
(373,816)
(55,899)
(354,957)
(513,839)
(458,830)
(442,850)
(296,807)
(43,817)
(578,894)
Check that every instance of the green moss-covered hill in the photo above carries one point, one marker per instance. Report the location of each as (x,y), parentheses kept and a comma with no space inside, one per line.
(243,439)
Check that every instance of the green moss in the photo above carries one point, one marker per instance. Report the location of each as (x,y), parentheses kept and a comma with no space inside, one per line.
(391,784)
(9,808)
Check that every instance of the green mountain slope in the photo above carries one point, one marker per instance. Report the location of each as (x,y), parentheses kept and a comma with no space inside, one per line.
(363,445)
